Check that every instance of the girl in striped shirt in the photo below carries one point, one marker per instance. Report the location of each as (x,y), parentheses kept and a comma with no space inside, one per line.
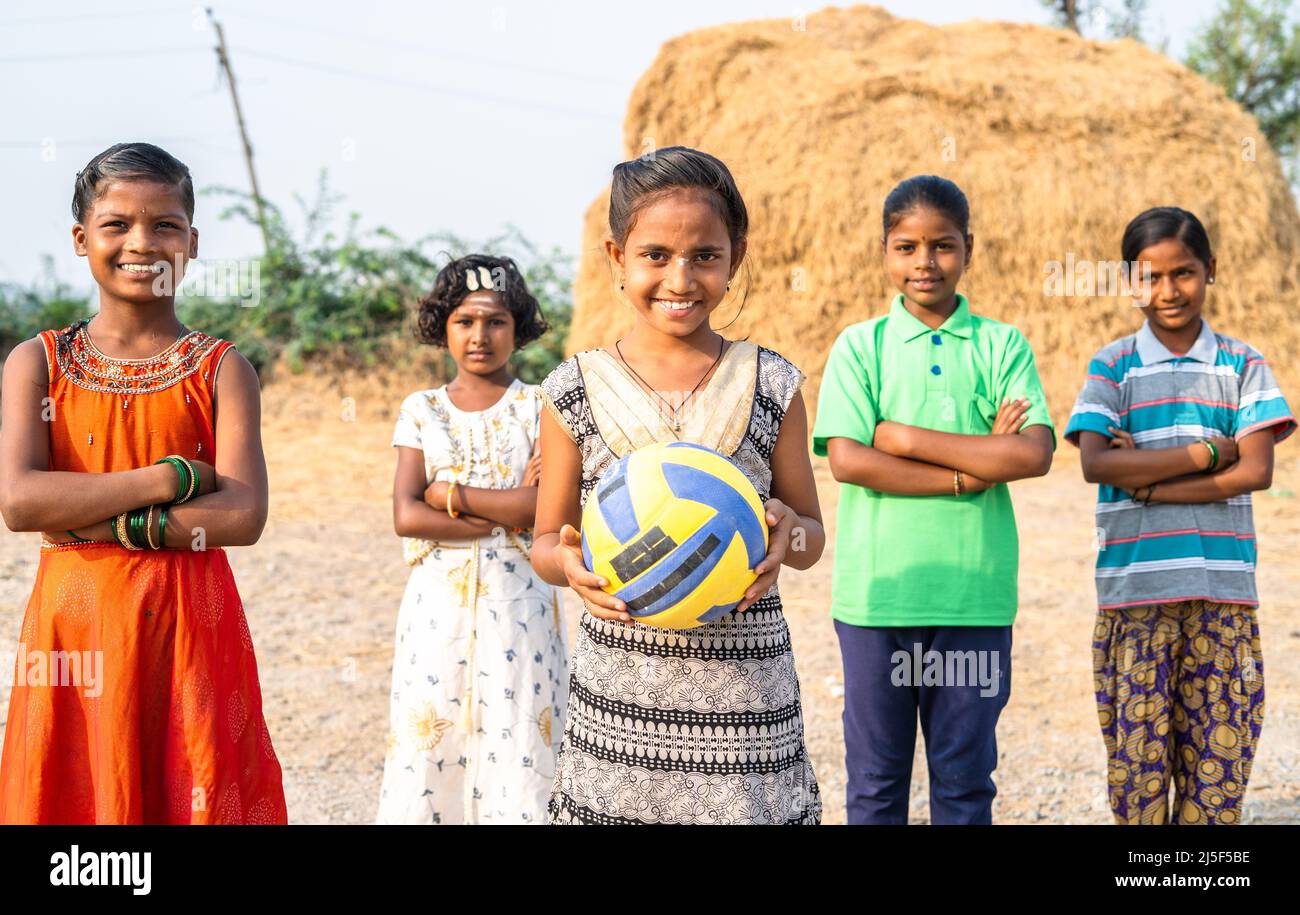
(1177,424)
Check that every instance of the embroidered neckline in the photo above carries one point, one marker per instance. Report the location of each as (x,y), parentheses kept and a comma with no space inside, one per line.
(509,396)
(86,367)
(83,328)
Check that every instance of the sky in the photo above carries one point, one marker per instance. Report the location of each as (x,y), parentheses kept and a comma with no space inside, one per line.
(428,117)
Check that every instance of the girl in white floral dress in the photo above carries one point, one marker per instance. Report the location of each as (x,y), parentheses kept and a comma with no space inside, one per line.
(479,664)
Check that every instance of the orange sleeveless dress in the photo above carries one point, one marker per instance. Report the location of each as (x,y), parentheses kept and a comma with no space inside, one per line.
(135,696)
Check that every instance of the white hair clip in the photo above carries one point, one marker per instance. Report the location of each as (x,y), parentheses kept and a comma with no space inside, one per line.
(481,280)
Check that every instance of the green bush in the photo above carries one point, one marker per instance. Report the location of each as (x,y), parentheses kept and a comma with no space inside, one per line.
(353,296)
(48,303)
(324,298)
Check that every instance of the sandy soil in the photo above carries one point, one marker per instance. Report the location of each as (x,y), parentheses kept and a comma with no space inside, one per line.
(321,592)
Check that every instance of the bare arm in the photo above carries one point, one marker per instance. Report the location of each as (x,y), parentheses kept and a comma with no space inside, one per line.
(557,499)
(881,467)
(794,486)
(1252,471)
(35,498)
(516,507)
(859,464)
(235,514)
(997,458)
(413,517)
(1128,467)
(557,554)
(797,537)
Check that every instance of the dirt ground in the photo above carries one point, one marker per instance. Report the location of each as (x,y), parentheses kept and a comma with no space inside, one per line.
(322,588)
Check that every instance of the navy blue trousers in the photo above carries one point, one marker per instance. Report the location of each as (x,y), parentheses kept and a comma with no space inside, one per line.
(957,679)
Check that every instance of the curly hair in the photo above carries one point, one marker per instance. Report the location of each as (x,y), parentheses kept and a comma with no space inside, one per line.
(471,274)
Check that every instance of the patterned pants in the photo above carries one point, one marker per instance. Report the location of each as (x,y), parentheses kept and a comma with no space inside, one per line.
(1180,691)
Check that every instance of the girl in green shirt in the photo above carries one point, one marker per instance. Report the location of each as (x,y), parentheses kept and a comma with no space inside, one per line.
(925,414)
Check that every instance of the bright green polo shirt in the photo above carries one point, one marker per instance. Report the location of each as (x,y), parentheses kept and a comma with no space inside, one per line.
(925,560)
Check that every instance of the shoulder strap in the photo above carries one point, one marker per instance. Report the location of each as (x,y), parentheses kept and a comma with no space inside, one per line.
(50,342)
(212,364)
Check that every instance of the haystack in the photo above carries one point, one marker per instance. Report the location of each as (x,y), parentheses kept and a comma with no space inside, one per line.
(1056,140)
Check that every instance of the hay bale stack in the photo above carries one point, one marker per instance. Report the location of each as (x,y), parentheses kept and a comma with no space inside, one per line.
(1056,140)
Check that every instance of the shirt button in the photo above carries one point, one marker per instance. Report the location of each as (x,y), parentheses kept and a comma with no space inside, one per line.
(936,339)
(935,370)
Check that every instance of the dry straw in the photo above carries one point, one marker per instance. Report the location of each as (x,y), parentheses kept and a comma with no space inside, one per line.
(1056,140)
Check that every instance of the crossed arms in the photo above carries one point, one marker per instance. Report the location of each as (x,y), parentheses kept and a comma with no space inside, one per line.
(231,505)
(1179,474)
(912,461)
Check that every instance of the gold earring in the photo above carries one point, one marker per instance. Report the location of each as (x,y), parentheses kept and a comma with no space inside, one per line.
(728,285)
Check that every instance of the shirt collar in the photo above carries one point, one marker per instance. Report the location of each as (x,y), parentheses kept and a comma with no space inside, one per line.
(1151,350)
(907,326)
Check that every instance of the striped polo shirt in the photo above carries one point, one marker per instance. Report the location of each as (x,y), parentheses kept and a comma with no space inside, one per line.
(1161,552)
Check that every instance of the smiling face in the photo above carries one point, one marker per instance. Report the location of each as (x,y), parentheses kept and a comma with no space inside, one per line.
(135,234)
(1178,280)
(676,262)
(925,255)
(481,333)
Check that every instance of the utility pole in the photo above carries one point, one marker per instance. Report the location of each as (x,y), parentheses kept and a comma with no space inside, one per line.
(224,60)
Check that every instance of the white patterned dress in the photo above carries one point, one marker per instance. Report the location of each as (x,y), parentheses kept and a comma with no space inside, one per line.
(695,726)
(478,668)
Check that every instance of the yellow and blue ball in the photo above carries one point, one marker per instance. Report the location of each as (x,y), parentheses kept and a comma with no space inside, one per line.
(676,529)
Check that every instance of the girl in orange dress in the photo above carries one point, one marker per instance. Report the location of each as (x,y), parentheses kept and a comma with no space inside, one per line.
(135,697)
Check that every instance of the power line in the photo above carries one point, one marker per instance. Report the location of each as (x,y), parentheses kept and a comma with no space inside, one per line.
(426,87)
(33,146)
(299,27)
(94,55)
(130,14)
(19,144)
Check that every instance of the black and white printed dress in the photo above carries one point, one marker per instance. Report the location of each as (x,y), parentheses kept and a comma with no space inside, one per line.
(693,726)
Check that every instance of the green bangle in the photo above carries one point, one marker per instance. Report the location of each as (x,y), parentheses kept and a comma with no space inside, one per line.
(135,529)
(182,474)
(162,527)
(1214,454)
(116,535)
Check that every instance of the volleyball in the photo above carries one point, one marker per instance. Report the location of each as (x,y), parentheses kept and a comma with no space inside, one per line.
(675,528)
